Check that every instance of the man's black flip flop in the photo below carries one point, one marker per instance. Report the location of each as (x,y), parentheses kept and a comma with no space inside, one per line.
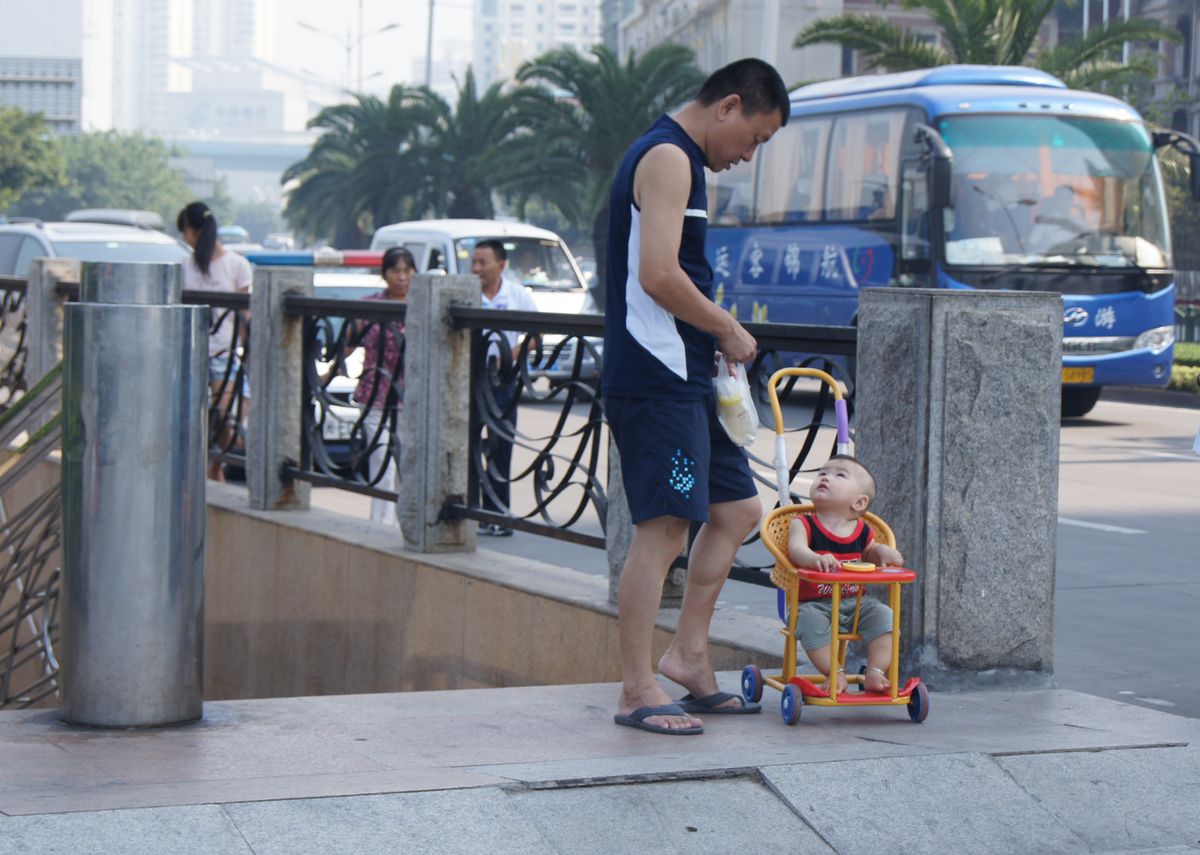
(711,705)
(638,717)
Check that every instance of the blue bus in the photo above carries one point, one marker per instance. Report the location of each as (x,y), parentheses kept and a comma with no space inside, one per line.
(960,177)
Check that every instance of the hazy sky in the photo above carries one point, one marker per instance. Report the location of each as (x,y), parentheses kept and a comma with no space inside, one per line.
(392,53)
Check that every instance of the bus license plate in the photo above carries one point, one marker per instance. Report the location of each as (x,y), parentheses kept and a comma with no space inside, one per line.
(1078,375)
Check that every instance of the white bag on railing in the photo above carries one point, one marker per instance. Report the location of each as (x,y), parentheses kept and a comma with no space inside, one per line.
(735,404)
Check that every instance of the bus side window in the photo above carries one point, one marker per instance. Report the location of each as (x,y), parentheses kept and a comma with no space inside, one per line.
(862,177)
(791,173)
(731,195)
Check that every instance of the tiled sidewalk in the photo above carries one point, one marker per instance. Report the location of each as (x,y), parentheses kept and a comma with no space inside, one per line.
(544,770)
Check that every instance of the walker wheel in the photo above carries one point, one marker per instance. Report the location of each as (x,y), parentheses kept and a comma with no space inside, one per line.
(790,703)
(752,683)
(862,684)
(918,703)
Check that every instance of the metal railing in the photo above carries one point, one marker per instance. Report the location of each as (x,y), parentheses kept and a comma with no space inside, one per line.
(229,376)
(14,348)
(30,550)
(556,369)
(543,404)
(349,431)
(557,365)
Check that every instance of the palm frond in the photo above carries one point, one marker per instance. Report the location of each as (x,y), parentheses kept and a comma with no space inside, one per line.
(883,44)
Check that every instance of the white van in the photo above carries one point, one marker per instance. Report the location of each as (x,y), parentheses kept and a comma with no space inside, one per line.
(537,258)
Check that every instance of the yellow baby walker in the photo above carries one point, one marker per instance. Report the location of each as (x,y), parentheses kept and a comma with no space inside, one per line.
(817,689)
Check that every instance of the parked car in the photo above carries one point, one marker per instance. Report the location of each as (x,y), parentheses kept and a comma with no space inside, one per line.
(233,235)
(117,217)
(23,240)
(537,258)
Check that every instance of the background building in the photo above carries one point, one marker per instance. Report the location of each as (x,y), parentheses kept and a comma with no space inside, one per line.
(720,31)
(509,32)
(41,60)
(612,12)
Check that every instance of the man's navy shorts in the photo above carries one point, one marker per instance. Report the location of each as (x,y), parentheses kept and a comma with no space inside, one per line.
(676,460)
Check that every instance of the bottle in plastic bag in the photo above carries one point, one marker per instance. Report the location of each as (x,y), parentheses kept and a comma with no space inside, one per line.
(735,405)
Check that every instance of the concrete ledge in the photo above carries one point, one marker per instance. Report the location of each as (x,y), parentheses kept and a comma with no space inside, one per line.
(311,602)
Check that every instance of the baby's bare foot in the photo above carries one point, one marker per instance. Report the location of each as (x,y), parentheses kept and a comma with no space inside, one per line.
(875,680)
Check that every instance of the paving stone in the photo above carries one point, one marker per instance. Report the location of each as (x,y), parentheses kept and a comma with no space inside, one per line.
(1118,800)
(949,803)
(464,822)
(198,830)
(731,815)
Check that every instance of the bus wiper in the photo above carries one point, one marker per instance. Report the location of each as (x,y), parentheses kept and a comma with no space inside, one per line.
(1034,268)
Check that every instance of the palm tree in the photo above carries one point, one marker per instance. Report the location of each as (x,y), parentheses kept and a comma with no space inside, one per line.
(481,147)
(591,110)
(358,174)
(414,155)
(993,32)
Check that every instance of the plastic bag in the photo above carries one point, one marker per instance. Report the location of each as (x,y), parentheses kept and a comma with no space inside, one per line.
(735,404)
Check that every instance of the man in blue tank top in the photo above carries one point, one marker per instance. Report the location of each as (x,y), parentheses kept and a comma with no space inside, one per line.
(662,330)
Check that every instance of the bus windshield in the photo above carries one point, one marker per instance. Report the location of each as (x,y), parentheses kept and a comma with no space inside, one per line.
(1055,191)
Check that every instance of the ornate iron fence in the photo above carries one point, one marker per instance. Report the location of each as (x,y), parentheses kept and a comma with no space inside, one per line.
(30,549)
(353,375)
(30,578)
(14,347)
(555,367)
(552,363)
(228,378)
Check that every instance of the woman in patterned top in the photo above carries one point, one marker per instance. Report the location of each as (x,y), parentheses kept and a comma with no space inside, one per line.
(380,389)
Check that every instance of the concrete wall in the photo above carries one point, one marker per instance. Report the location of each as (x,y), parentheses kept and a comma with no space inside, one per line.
(313,602)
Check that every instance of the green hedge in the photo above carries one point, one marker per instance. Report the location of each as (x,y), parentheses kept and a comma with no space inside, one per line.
(1185,378)
(1187,353)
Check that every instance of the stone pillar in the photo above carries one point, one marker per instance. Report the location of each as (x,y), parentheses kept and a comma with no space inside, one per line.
(44,314)
(618,535)
(435,419)
(273,416)
(957,415)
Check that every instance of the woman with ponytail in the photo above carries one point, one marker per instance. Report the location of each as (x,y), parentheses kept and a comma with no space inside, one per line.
(211,267)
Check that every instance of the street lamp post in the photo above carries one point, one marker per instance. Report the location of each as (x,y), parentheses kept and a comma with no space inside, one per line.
(351,44)
(346,44)
(429,49)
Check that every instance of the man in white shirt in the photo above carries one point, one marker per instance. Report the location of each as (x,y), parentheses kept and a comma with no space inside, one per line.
(499,292)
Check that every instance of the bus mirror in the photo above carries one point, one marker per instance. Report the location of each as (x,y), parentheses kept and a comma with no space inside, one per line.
(941,183)
(1194,162)
(941,170)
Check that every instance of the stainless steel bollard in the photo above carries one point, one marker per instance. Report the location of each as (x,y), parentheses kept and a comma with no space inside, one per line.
(135,394)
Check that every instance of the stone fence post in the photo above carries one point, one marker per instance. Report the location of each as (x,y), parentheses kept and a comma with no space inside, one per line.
(273,414)
(435,419)
(957,415)
(44,314)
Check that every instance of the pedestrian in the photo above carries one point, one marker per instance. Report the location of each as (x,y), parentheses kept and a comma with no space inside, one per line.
(835,532)
(211,267)
(661,333)
(380,389)
(488,261)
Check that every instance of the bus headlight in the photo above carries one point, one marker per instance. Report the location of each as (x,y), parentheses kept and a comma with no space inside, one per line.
(1157,339)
